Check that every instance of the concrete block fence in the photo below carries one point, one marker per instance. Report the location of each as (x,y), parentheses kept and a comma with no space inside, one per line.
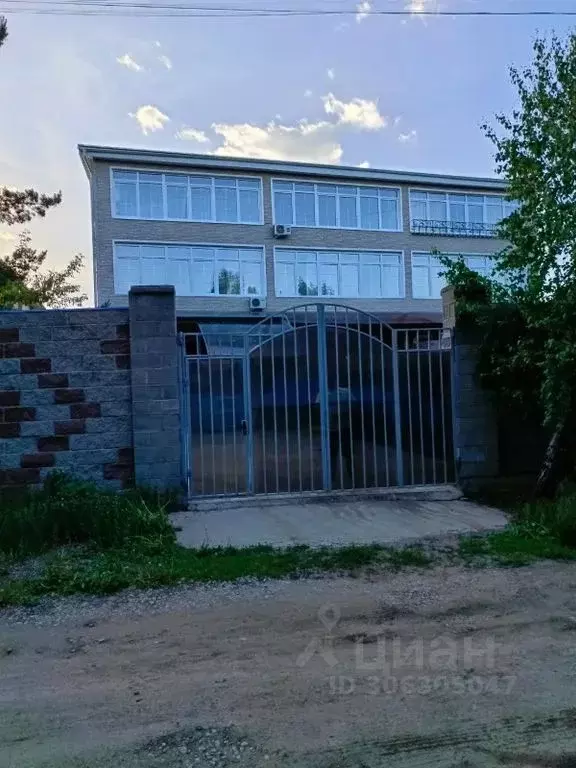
(93,392)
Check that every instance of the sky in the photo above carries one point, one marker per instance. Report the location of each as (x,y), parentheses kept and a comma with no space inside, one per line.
(404,93)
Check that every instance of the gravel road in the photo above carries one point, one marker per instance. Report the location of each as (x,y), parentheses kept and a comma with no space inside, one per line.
(448,667)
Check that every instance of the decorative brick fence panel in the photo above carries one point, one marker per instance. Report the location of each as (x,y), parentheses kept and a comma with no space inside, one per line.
(66,397)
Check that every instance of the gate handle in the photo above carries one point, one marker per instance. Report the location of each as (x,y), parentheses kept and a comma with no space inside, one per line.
(244,426)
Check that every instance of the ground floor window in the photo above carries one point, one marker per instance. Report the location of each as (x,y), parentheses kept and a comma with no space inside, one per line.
(193,270)
(427,278)
(342,274)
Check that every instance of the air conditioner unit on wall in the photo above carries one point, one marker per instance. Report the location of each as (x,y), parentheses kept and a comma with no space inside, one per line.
(256,304)
(282,230)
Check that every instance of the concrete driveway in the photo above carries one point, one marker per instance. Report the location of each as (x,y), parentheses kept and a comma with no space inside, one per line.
(415,515)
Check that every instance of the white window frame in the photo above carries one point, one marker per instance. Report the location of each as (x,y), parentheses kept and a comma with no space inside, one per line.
(447,193)
(221,246)
(164,174)
(453,254)
(383,251)
(337,183)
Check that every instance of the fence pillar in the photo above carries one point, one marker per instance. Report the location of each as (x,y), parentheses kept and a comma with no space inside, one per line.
(475,421)
(155,393)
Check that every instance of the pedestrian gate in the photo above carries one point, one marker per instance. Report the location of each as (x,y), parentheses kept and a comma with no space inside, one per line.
(319,397)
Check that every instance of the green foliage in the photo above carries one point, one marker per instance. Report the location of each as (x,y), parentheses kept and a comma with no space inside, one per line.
(539,530)
(551,518)
(66,512)
(516,546)
(525,316)
(151,563)
(21,282)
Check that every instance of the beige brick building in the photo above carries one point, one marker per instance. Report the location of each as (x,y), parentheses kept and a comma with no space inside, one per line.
(233,234)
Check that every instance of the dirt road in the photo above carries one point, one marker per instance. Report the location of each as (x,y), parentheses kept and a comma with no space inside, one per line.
(449,667)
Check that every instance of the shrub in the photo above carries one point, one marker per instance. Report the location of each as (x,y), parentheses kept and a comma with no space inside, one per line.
(66,511)
(553,518)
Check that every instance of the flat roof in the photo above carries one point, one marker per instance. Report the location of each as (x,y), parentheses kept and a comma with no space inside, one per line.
(91,154)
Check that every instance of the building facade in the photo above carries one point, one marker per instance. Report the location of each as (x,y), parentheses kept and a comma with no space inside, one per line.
(239,237)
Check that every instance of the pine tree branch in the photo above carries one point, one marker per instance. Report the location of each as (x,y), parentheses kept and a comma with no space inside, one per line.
(20,206)
(3,30)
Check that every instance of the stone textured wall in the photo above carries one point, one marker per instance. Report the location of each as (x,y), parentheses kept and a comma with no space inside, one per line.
(475,421)
(92,392)
(155,386)
(65,396)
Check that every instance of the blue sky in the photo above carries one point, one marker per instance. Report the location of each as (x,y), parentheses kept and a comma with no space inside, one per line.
(405,93)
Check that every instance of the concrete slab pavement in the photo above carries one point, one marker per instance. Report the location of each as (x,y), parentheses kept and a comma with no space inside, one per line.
(353,521)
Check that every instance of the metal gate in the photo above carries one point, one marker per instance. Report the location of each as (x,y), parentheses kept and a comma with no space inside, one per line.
(319,397)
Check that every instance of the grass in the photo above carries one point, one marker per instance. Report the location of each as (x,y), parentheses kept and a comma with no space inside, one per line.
(538,530)
(140,566)
(67,511)
(98,542)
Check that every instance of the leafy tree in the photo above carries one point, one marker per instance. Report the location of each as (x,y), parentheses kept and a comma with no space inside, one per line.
(525,315)
(21,283)
(228,282)
(311,289)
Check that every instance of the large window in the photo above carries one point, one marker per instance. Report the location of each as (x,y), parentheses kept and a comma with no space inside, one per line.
(184,197)
(457,214)
(427,282)
(339,206)
(344,274)
(194,270)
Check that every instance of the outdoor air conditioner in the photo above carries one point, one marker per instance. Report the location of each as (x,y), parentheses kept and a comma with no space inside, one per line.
(256,304)
(282,230)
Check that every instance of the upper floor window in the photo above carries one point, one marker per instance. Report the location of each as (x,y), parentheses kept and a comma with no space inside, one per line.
(447,213)
(427,281)
(193,270)
(339,206)
(186,197)
(346,274)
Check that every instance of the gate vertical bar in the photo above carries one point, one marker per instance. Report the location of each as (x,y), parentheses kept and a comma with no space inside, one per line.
(248,417)
(323,397)
(397,414)
(185,422)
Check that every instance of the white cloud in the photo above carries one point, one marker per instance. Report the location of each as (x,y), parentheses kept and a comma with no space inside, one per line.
(397,119)
(363,10)
(7,237)
(192,134)
(331,74)
(308,93)
(417,7)
(166,61)
(304,141)
(404,138)
(358,112)
(149,118)
(157,43)
(364,164)
(127,61)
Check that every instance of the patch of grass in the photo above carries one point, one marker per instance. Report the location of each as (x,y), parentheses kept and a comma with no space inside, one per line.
(142,565)
(67,511)
(550,518)
(539,530)
(515,546)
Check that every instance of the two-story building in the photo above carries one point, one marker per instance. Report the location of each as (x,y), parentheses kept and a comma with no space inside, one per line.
(238,237)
